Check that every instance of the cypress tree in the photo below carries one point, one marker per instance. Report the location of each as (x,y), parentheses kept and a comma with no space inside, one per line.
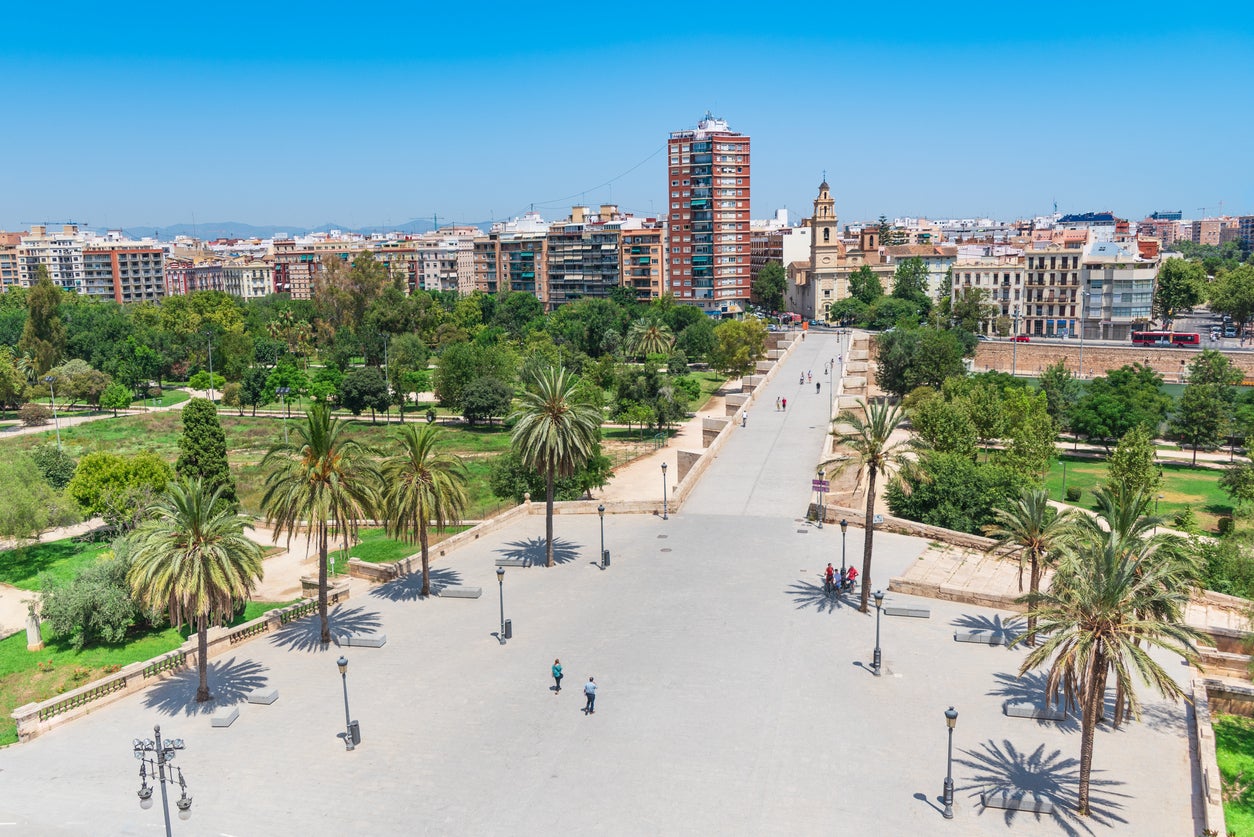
(202,448)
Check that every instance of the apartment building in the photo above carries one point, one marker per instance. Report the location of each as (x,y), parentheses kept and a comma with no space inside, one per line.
(60,253)
(187,275)
(445,259)
(937,258)
(9,272)
(297,261)
(124,271)
(708,183)
(641,246)
(1118,281)
(513,256)
(782,245)
(247,277)
(997,272)
(1051,304)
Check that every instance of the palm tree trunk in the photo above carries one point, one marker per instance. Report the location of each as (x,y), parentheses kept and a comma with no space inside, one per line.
(202,659)
(548,519)
(426,562)
(1035,582)
(1093,699)
(1119,703)
(322,582)
(866,543)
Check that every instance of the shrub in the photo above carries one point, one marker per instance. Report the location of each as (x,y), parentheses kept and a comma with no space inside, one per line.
(34,415)
(1073,494)
(56,466)
(1186,521)
(1226,526)
(95,606)
(950,490)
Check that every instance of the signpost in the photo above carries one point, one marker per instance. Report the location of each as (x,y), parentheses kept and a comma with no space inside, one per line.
(820,485)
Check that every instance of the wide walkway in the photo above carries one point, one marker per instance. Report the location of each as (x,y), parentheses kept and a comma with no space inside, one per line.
(735,698)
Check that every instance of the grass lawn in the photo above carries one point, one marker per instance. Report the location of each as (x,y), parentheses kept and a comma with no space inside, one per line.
(375,547)
(32,676)
(60,559)
(1183,486)
(1234,741)
(710,384)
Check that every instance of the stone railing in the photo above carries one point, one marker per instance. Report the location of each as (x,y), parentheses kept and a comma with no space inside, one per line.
(37,718)
(1204,693)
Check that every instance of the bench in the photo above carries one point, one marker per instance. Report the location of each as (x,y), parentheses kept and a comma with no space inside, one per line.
(513,562)
(916,612)
(460,592)
(266,696)
(982,637)
(363,640)
(1031,710)
(225,716)
(1016,801)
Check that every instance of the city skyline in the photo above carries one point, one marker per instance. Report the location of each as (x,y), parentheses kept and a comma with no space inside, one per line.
(273,118)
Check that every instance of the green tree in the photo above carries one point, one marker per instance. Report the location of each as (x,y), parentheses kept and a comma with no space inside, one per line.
(865,285)
(485,399)
(1132,464)
(1238,481)
(554,433)
(1029,526)
(31,506)
(253,390)
(96,606)
(1233,294)
(909,358)
(43,336)
(118,487)
(1113,405)
(1062,391)
(869,437)
(321,483)
(889,312)
(202,450)
(192,559)
(739,345)
(76,381)
(55,465)
(1202,417)
(944,426)
(116,397)
(12,381)
(461,363)
(364,389)
(697,340)
(910,281)
(422,485)
(971,309)
(770,284)
(952,491)
(649,337)
(1030,431)
(1179,289)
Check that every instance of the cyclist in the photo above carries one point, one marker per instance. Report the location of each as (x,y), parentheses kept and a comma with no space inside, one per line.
(849,579)
(829,579)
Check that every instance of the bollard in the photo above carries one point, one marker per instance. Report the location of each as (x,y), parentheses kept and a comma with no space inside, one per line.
(605,558)
(509,628)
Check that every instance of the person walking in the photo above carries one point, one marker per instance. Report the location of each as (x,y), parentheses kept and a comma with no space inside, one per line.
(785,403)
(557,676)
(744,418)
(777,403)
(590,689)
(817,384)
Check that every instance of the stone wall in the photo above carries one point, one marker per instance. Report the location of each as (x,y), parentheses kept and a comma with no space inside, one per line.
(1098,358)
(1206,698)
(684,460)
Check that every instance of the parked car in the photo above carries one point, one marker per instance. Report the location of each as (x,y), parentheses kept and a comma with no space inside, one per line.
(1022,338)
(983,338)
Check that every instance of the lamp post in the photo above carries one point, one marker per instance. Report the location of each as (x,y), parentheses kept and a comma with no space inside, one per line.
(283,391)
(822,482)
(951,721)
(52,394)
(601,512)
(844,527)
(1014,350)
(500,583)
(209,335)
(1064,478)
(153,755)
(1156,499)
(349,743)
(665,516)
(875,662)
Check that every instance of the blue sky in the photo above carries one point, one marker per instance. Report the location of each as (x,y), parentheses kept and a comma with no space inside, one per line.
(269,113)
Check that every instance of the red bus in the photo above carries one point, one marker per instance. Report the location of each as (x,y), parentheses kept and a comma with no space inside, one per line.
(1166,338)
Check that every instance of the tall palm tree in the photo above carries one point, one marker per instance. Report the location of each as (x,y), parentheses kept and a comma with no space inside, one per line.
(1105,607)
(191,557)
(321,482)
(649,337)
(869,437)
(1039,533)
(421,485)
(555,433)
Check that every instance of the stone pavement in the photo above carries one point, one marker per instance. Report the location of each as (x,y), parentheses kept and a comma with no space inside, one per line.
(735,697)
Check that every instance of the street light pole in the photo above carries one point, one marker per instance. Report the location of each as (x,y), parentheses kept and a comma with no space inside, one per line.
(822,482)
(209,334)
(951,720)
(879,600)
(665,516)
(155,766)
(844,527)
(601,512)
(1014,350)
(283,391)
(500,583)
(349,744)
(52,394)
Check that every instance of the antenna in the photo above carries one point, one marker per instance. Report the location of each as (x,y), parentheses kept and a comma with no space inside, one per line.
(1202,210)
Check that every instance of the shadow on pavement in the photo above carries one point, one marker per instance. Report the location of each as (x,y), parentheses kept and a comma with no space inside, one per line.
(1006,629)
(1030,688)
(811,594)
(1040,776)
(306,634)
(409,588)
(229,683)
(533,551)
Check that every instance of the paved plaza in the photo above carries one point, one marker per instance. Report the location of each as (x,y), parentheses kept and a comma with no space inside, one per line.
(735,697)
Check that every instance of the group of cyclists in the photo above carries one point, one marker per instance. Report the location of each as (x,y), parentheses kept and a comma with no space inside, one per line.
(845,578)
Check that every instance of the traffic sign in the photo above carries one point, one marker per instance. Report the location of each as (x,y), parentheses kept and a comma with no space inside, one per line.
(819,485)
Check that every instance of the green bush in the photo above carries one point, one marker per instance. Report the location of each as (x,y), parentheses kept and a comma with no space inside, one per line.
(1073,494)
(96,606)
(1226,526)
(56,465)
(1186,521)
(34,415)
(950,490)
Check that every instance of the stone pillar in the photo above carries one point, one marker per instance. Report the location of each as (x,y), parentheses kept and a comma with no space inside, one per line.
(34,640)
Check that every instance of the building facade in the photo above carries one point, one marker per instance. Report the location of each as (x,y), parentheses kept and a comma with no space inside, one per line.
(999,276)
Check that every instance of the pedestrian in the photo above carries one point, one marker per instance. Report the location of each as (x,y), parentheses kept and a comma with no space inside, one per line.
(817,384)
(809,377)
(557,676)
(744,418)
(785,403)
(777,403)
(590,689)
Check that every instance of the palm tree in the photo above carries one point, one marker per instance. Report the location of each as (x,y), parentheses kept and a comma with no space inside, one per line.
(321,482)
(1033,528)
(422,484)
(555,433)
(1106,605)
(869,437)
(191,557)
(649,337)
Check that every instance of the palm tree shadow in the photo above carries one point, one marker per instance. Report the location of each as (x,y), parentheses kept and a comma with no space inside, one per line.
(229,683)
(806,594)
(1040,776)
(409,588)
(532,551)
(306,634)
(1030,688)
(1007,630)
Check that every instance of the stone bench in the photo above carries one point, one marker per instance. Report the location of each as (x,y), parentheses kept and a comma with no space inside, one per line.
(266,696)
(225,716)
(1031,710)
(915,612)
(981,637)
(460,592)
(1016,801)
(513,562)
(364,640)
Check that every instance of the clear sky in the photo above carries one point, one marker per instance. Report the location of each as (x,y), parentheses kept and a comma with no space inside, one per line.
(366,114)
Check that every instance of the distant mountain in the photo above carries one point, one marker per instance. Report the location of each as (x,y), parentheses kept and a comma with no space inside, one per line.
(237,229)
